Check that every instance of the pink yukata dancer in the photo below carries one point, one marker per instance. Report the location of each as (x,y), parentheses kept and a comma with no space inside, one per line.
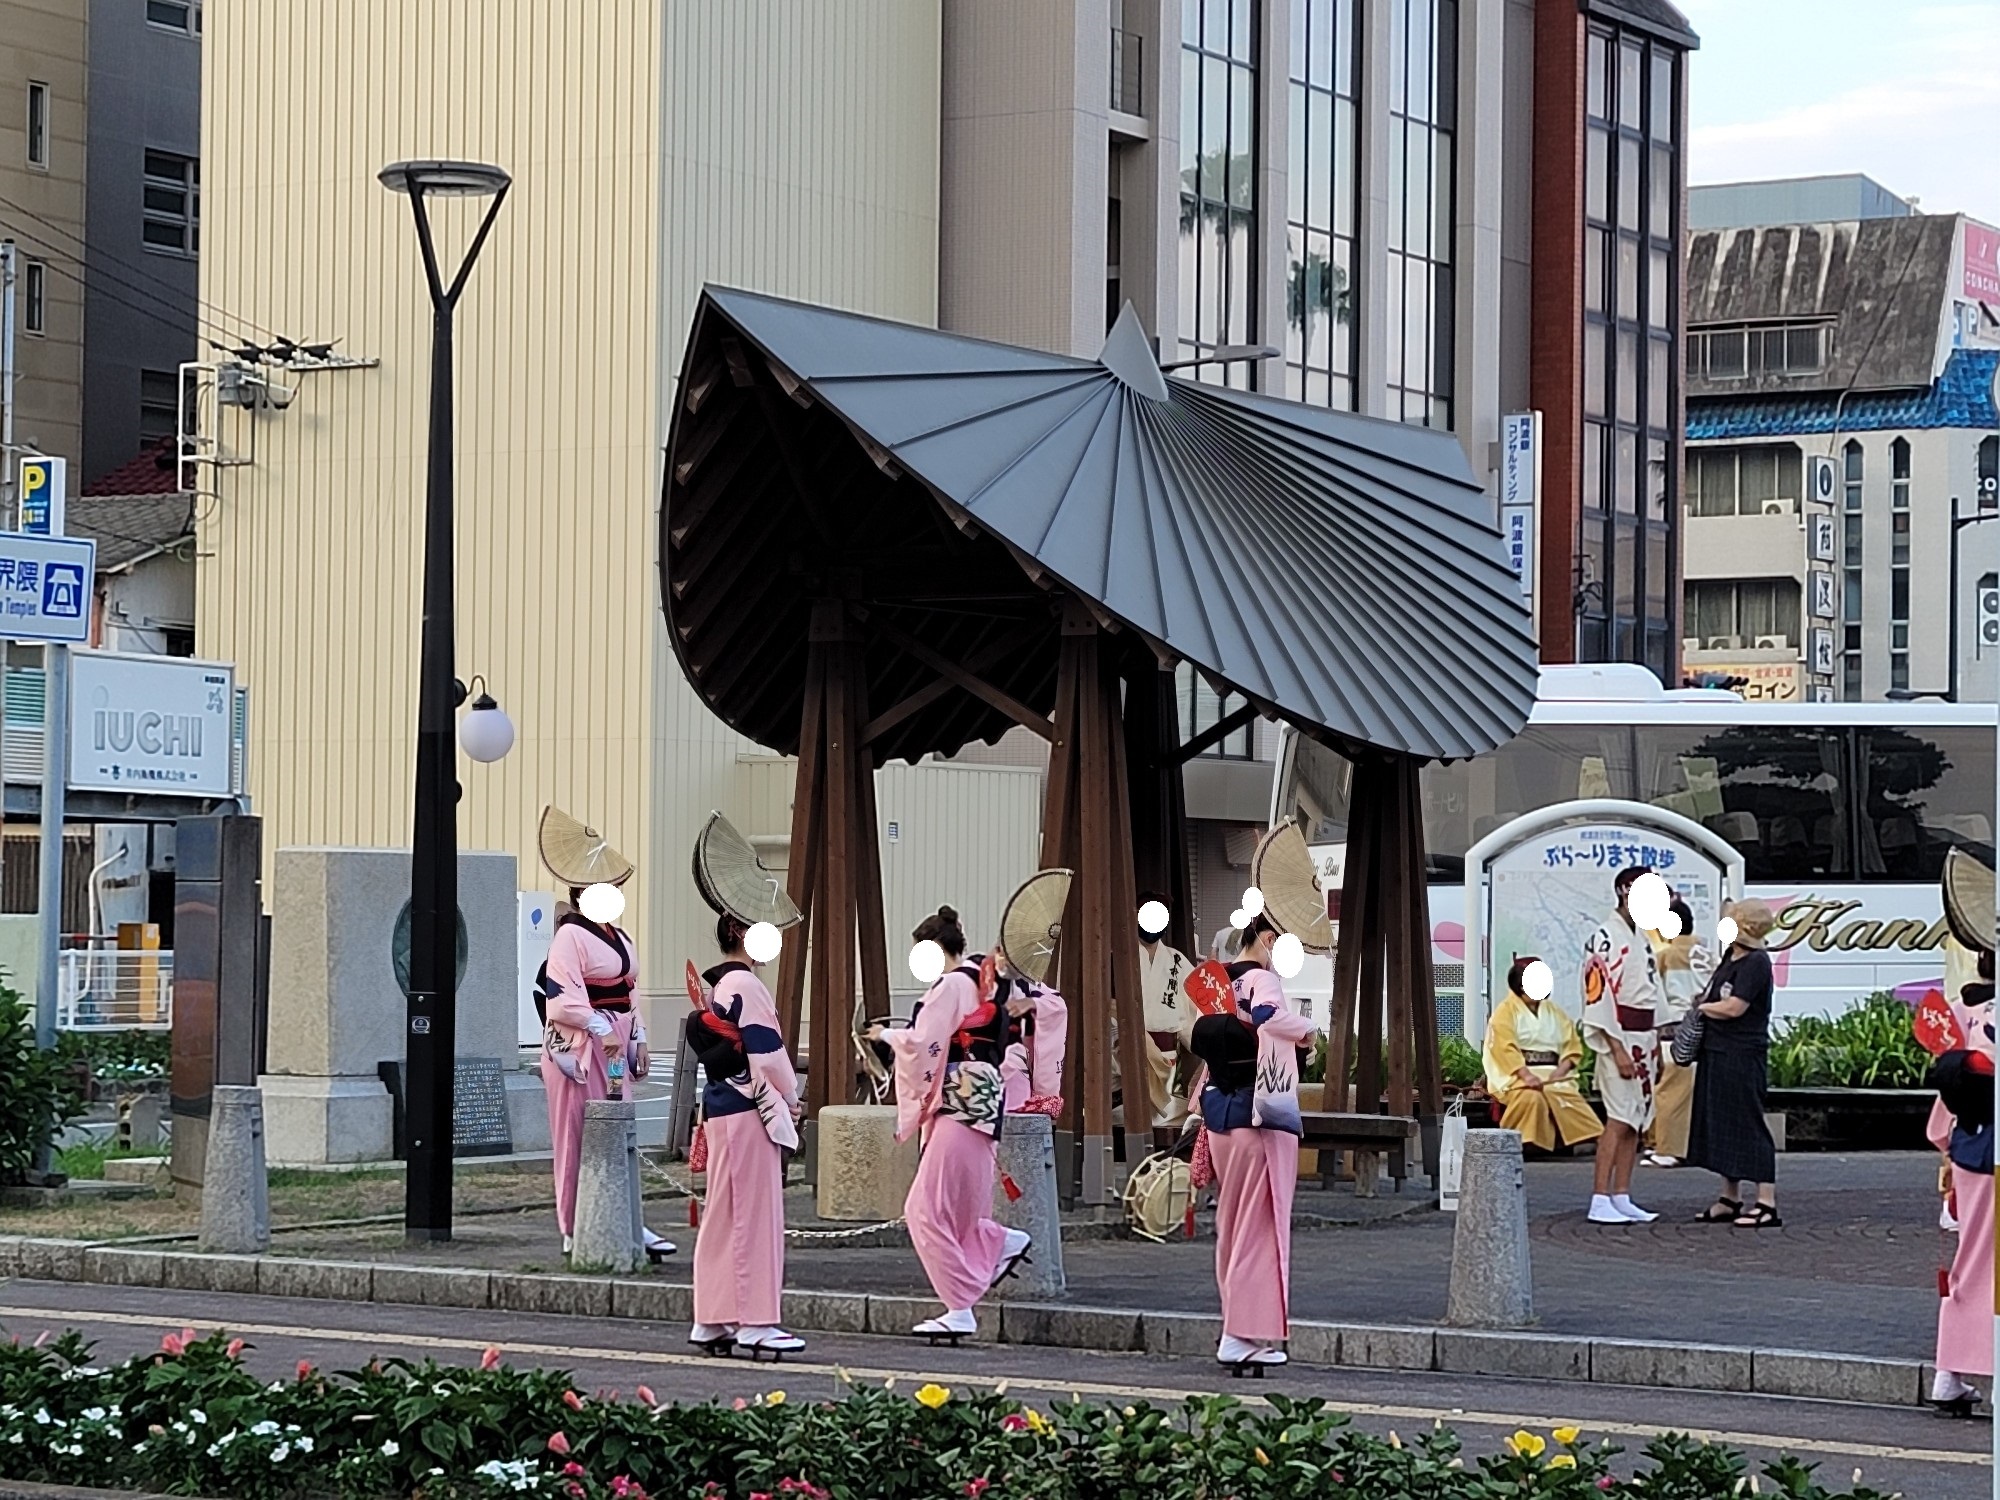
(1961,1126)
(750,1112)
(591,1030)
(952,1080)
(1249,1103)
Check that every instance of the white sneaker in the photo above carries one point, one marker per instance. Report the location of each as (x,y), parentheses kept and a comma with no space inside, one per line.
(1602,1211)
(1013,1250)
(768,1340)
(1634,1214)
(959,1322)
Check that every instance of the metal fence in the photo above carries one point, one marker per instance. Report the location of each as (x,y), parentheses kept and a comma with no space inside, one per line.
(115,989)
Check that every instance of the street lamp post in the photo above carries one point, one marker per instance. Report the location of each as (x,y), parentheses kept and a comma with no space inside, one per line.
(431,1042)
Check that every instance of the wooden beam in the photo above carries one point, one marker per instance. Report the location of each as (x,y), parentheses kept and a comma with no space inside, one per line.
(739,362)
(700,498)
(1005,702)
(789,383)
(1122,930)
(788,456)
(689,455)
(982,660)
(832,1008)
(802,860)
(1216,733)
(1093,871)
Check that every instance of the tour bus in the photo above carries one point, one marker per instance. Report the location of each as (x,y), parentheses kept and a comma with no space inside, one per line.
(1842,811)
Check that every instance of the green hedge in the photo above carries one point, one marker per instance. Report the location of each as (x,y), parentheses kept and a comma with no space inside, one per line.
(191,1420)
(1868,1047)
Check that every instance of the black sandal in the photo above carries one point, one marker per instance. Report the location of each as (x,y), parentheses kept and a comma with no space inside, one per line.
(1759,1216)
(1732,1210)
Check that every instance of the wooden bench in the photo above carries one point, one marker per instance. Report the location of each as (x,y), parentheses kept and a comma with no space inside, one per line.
(1329,1132)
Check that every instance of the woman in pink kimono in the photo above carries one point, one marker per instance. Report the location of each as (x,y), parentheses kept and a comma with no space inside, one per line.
(1250,1108)
(591,1031)
(952,1080)
(750,1112)
(1962,1127)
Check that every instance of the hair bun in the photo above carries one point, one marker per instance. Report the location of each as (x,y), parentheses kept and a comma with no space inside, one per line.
(947,914)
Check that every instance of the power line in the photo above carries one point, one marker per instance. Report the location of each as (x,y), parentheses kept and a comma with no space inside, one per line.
(63,271)
(159,287)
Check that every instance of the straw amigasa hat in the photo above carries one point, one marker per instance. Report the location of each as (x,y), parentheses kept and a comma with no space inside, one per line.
(1031,925)
(734,881)
(1968,899)
(1294,900)
(577,855)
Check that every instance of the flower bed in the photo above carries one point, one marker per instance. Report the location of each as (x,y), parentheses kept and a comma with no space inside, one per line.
(192,1420)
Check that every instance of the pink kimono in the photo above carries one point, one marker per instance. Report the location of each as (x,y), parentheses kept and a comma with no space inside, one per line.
(957,1098)
(739,1254)
(1965,1316)
(591,973)
(1250,1107)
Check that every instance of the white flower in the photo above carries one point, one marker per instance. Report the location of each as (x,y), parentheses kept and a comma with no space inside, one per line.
(199,1416)
(303,1444)
(264,1429)
(280,1453)
(42,1417)
(391,1448)
(95,1414)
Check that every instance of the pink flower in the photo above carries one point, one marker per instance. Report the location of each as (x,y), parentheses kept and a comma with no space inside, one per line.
(1605,1482)
(490,1360)
(646,1395)
(740,1404)
(572,1400)
(977,1487)
(558,1443)
(41,1338)
(171,1344)
(1013,1422)
(234,1349)
(305,1369)
(573,1469)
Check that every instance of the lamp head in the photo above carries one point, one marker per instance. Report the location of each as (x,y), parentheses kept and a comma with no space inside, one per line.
(444,179)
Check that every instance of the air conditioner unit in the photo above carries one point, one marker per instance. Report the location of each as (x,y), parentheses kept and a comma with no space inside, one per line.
(1772,643)
(1777,507)
(1723,643)
(1690,643)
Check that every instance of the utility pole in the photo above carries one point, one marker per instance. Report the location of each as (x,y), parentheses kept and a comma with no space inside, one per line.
(8,264)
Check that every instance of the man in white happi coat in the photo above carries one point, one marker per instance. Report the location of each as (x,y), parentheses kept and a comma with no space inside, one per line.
(1163,968)
(1621,1016)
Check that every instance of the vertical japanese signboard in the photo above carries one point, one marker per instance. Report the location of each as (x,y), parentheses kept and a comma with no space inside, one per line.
(1520,491)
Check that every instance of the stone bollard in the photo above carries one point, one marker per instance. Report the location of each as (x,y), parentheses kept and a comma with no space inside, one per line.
(607,1188)
(1028,1156)
(863,1173)
(236,1193)
(1491,1282)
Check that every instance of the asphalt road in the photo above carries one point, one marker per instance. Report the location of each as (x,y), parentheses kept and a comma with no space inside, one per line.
(1922,1456)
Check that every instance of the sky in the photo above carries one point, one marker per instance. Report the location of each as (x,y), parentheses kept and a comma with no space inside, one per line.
(1905,91)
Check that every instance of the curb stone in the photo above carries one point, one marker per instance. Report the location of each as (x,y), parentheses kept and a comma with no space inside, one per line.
(1806,1374)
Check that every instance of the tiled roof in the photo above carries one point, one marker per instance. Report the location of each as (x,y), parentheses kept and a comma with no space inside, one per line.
(1961,397)
(151,473)
(127,528)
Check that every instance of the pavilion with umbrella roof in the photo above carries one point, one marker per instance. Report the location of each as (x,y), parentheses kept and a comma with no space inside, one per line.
(880,541)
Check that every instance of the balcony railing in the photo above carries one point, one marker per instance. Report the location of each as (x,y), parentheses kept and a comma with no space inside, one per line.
(1127,58)
(115,989)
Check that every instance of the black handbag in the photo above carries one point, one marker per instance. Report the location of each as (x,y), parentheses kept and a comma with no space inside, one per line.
(1687,1031)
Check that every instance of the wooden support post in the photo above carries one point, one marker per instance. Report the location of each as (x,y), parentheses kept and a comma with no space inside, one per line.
(802,859)
(1060,848)
(1095,791)
(1158,802)
(1122,933)
(1429,1079)
(833,927)
(867,864)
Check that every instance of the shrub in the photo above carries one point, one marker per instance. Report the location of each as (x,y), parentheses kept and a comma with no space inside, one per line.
(192,1420)
(39,1087)
(1868,1047)
(117,1057)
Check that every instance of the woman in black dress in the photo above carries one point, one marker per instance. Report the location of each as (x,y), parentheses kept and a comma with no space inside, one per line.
(1728,1135)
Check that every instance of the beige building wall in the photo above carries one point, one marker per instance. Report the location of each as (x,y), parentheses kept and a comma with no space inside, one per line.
(788,148)
(46,41)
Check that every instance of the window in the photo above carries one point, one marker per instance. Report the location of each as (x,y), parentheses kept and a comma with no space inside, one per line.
(159,413)
(1777,794)
(34,297)
(1736,353)
(1423,208)
(38,124)
(183,16)
(1923,791)
(1748,481)
(1899,563)
(1202,708)
(1753,614)
(172,203)
(1323,188)
(1850,562)
(1218,238)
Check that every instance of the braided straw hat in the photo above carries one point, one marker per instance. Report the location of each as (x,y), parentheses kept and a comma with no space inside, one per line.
(578,855)
(733,880)
(1294,900)
(1968,899)
(1031,925)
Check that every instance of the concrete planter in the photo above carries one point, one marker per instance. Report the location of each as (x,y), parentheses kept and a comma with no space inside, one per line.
(1853,1119)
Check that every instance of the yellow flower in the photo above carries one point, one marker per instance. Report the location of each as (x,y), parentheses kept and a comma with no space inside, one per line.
(1037,1423)
(1528,1444)
(775,1398)
(933,1395)
(1563,1461)
(1567,1436)
(1262,1457)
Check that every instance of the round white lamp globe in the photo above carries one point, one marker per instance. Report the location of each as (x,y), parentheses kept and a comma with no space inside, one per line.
(1725,931)
(1153,917)
(603,904)
(1288,955)
(1253,901)
(1538,981)
(485,732)
(1649,901)
(926,962)
(762,942)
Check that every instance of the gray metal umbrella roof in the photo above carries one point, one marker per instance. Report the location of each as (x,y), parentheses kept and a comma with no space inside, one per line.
(1342,572)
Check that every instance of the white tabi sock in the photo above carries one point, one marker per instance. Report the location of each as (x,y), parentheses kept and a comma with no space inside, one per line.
(1603,1211)
(1623,1203)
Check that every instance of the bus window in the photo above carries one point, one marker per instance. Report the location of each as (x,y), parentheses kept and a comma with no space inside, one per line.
(1924,790)
(1774,793)
(1320,783)
(1467,800)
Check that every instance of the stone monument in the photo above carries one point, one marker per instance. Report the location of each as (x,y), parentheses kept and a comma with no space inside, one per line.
(863,1173)
(337,1003)
(1491,1282)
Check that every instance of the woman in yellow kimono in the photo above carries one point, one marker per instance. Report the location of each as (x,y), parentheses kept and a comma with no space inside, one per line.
(1531,1051)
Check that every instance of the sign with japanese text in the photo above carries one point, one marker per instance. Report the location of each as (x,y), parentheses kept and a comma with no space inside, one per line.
(45,584)
(1825,598)
(1820,648)
(1520,491)
(1764,681)
(44,492)
(150,724)
(1821,539)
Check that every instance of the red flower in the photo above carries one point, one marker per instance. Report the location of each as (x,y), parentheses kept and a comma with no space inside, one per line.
(573,1469)
(305,1369)
(1013,1422)
(977,1487)
(572,1400)
(490,1360)
(1605,1481)
(558,1443)
(235,1348)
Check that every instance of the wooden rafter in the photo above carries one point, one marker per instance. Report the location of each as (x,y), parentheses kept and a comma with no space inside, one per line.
(950,670)
(1216,733)
(982,660)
